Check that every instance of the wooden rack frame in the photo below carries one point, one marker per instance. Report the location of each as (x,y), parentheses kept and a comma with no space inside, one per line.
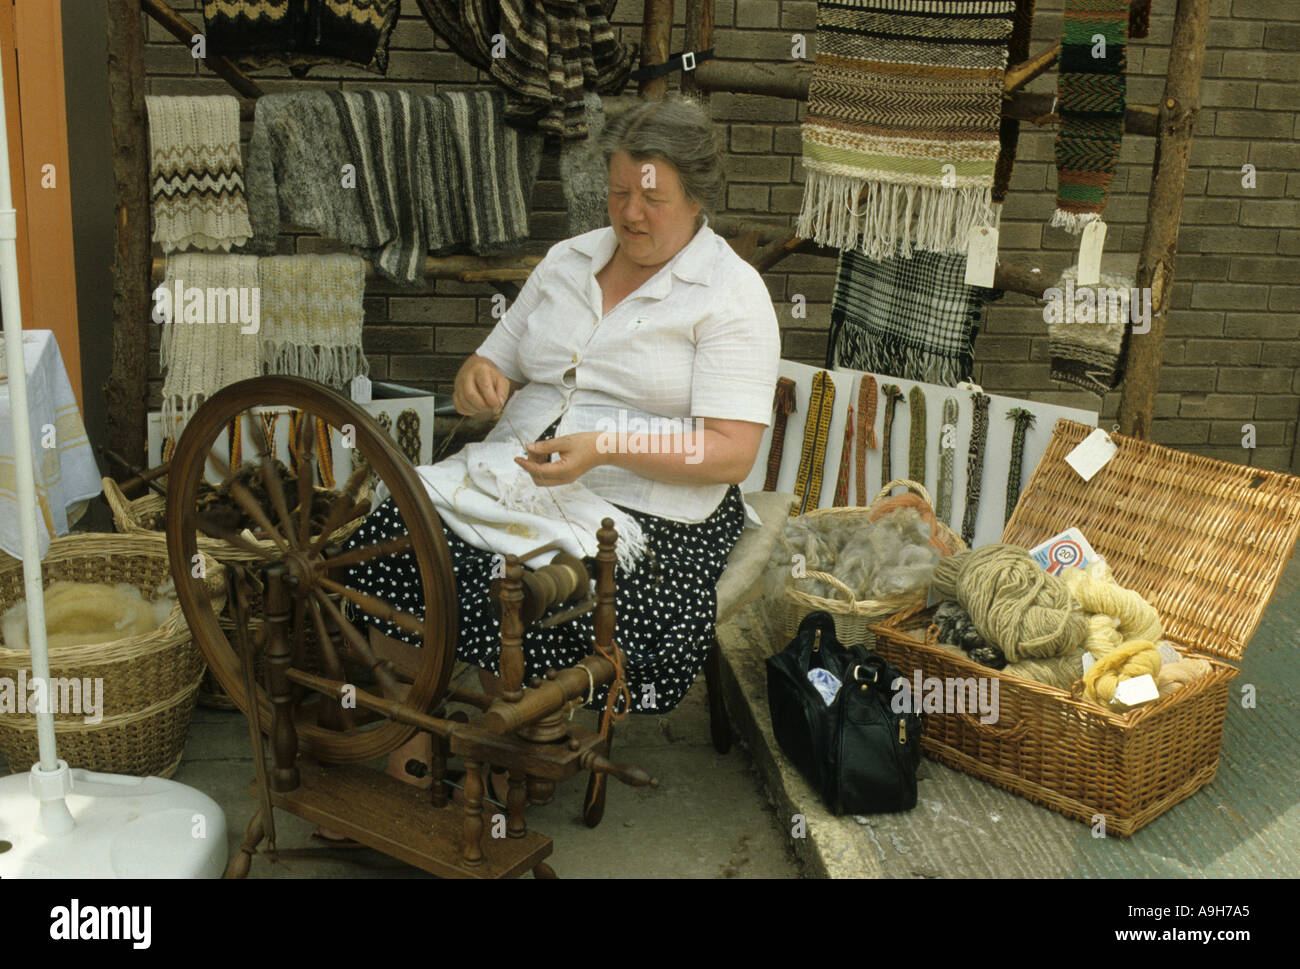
(1171,123)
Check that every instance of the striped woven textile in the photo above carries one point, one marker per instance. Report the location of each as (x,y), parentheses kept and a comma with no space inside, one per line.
(312,315)
(301,33)
(901,135)
(1090,84)
(196,173)
(812,456)
(910,318)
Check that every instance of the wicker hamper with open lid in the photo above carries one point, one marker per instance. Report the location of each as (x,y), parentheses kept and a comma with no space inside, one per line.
(1206,541)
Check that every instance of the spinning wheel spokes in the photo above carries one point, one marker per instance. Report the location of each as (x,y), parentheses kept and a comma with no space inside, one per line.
(312,574)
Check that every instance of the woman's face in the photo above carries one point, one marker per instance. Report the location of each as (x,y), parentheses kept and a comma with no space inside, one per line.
(651,216)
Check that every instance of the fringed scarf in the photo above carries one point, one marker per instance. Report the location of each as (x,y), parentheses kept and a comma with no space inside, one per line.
(547,54)
(301,33)
(1090,84)
(211,339)
(901,136)
(1087,331)
(196,173)
(312,315)
(910,318)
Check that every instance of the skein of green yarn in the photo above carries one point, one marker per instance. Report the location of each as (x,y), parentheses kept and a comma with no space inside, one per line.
(1015,605)
(1059,671)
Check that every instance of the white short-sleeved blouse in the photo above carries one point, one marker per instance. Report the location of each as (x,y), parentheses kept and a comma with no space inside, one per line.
(699,339)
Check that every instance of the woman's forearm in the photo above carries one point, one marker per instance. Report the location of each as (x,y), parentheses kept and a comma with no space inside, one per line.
(699,456)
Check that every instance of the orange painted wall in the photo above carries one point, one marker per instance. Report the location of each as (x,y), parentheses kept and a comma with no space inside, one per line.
(36,119)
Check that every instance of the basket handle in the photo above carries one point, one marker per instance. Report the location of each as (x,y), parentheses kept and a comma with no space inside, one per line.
(1005,734)
(913,486)
(833,582)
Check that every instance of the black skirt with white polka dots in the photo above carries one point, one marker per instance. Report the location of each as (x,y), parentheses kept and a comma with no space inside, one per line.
(664,610)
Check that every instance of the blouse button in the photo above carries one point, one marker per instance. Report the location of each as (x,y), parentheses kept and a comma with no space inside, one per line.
(575,358)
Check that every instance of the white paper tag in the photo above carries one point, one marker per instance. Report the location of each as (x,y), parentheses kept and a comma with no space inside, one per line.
(1094,237)
(1092,454)
(361,392)
(1087,661)
(1140,689)
(981,256)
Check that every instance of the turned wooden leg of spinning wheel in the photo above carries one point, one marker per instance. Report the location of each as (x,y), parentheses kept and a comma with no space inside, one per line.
(239,865)
(719,722)
(543,870)
(593,804)
(471,851)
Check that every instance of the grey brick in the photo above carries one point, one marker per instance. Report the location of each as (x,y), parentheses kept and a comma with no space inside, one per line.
(1253,124)
(1229,182)
(1195,267)
(1264,326)
(758,45)
(1282,36)
(1176,432)
(1266,432)
(796,15)
(1235,33)
(422,367)
(432,309)
(1284,299)
(815,289)
(1261,269)
(1255,64)
(460,340)
(1270,212)
(748,107)
(803,346)
(1263,380)
(169,59)
(1275,156)
(1260,9)
(1216,405)
(747,197)
(1236,352)
(1003,349)
(1020,236)
(756,168)
(397,339)
(1227,239)
(1219,153)
(786,198)
(1281,354)
(428,65)
(751,138)
(378,367)
(1278,97)
(1225,94)
(1289,243)
(375,309)
(1229,296)
(1284,407)
(789,141)
(757,13)
(1182,379)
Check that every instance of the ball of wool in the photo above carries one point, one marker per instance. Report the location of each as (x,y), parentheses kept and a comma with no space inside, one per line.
(1174,676)
(1097,591)
(1015,605)
(1058,671)
(1134,658)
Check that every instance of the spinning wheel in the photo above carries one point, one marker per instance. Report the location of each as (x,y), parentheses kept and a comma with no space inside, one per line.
(315,655)
(306,559)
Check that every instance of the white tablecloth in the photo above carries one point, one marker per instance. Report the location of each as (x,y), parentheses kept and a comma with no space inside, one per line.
(66,473)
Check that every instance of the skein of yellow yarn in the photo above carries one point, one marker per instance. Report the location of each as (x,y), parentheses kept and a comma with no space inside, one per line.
(1132,659)
(1103,635)
(1096,591)
(1174,676)
(1015,605)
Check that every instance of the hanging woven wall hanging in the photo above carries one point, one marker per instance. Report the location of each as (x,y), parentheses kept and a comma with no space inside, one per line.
(910,318)
(1009,132)
(1024,420)
(846,456)
(866,432)
(916,438)
(901,134)
(975,464)
(947,459)
(312,314)
(812,456)
(1088,334)
(892,396)
(783,405)
(1090,85)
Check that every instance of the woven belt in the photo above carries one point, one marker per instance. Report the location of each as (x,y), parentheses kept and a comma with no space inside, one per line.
(812,456)
(947,456)
(916,438)
(842,482)
(1024,419)
(866,432)
(682,60)
(783,404)
(975,464)
(892,396)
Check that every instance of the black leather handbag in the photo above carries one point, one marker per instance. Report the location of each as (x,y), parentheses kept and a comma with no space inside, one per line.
(857,752)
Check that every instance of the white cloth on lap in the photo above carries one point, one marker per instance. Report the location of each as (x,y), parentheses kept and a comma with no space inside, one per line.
(492,503)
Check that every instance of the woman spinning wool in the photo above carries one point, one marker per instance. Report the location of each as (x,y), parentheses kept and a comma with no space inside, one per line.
(616,333)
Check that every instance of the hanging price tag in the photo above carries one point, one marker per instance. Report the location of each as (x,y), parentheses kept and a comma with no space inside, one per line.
(361,393)
(1092,454)
(1090,246)
(981,256)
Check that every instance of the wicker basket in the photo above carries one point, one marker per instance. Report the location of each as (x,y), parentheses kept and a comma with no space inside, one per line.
(855,617)
(150,681)
(1206,542)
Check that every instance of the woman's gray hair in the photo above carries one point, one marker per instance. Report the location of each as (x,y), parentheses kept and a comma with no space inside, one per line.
(678,131)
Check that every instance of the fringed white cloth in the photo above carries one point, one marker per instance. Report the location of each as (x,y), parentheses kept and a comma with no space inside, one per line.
(489,501)
(312,314)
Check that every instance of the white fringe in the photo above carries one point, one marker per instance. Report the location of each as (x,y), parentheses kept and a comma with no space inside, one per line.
(334,366)
(1073,222)
(893,220)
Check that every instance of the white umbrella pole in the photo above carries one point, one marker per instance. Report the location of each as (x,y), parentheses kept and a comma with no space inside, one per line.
(51,787)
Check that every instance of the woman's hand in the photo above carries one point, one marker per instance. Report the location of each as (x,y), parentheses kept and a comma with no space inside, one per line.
(481,389)
(577,455)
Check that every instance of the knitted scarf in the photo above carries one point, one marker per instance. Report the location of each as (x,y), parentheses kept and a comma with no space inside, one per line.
(1090,84)
(551,53)
(312,315)
(812,456)
(301,33)
(901,135)
(204,346)
(431,172)
(1087,338)
(911,318)
(196,174)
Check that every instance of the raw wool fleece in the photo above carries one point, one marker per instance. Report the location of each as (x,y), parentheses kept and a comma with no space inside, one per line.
(312,315)
(85,614)
(432,172)
(201,353)
(196,176)
(552,53)
(301,33)
(911,318)
(1090,353)
(1090,84)
(901,136)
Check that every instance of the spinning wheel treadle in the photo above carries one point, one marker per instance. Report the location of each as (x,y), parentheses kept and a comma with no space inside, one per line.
(312,652)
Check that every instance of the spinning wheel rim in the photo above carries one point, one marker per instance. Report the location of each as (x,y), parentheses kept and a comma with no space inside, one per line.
(428,545)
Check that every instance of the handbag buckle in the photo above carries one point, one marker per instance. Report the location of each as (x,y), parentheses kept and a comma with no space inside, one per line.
(817,641)
(875,675)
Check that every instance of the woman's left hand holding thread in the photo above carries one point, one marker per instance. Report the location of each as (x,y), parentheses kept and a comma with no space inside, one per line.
(575,455)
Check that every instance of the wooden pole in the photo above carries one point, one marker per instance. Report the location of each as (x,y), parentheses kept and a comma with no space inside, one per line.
(699,36)
(1178,110)
(126,391)
(656,32)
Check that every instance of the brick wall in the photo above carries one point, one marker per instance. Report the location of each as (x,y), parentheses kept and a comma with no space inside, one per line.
(1233,339)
